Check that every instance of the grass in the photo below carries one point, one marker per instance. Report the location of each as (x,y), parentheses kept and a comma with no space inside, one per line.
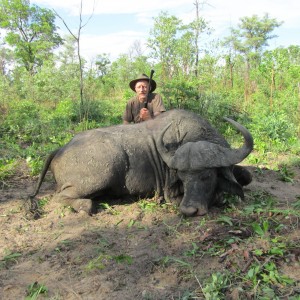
(286,174)
(148,206)
(262,278)
(251,244)
(34,290)
(97,263)
(9,259)
(7,170)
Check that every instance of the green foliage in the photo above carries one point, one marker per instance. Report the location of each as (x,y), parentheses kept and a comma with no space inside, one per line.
(225,220)
(260,202)
(97,263)
(7,168)
(261,229)
(286,174)
(31,31)
(193,251)
(101,261)
(35,165)
(54,82)
(123,258)
(110,112)
(252,34)
(43,202)
(267,274)
(148,206)
(34,290)
(180,93)
(215,286)
(22,122)
(27,124)
(180,263)
(272,130)
(110,210)
(9,258)
(164,39)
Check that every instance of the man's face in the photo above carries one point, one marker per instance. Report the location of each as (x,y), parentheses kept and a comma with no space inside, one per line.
(141,89)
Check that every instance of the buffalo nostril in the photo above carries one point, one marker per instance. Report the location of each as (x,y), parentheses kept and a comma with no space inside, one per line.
(202,211)
(188,210)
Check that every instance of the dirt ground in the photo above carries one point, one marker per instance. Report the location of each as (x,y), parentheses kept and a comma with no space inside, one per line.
(137,250)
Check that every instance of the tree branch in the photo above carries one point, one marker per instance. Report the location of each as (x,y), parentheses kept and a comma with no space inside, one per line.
(73,35)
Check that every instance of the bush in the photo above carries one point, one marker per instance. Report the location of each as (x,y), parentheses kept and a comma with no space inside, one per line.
(22,122)
(272,130)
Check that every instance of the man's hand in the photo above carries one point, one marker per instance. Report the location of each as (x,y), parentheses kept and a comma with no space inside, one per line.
(145,114)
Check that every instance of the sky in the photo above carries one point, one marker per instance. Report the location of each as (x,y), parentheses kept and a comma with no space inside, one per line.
(116,25)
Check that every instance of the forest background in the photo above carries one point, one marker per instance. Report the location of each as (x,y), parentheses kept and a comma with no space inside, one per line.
(49,92)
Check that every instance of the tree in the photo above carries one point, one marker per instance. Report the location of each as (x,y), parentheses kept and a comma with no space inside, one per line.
(175,45)
(163,42)
(30,30)
(249,39)
(281,71)
(199,25)
(6,58)
(84,110)
(102,64)
(253,34)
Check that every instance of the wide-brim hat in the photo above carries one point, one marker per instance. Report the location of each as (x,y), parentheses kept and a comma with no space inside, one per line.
(143,77)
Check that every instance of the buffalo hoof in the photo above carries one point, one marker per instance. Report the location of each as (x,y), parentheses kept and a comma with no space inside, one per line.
(83,205)
(80,205)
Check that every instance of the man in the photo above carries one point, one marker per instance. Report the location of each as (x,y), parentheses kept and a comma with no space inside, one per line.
(136,111)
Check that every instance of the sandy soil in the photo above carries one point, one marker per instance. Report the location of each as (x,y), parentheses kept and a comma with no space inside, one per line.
(137,250)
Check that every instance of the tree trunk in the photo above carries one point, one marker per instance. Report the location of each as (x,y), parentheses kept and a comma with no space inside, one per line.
(272,87)
(247,81)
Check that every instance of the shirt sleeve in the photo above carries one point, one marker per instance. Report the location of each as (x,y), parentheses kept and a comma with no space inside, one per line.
(127,116)
(158,105)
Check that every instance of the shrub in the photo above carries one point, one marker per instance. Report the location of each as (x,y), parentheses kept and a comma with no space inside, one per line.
(272,130)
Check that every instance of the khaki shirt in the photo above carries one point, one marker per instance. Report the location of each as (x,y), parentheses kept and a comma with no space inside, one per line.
(132,112)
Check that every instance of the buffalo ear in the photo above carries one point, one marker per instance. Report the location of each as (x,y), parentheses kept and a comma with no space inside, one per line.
(242,175)
(230,187)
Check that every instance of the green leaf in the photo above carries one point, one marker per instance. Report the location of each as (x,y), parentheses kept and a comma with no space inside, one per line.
(225,219)
(258,230)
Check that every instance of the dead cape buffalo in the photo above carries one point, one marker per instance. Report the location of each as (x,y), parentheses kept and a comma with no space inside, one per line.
(178,155)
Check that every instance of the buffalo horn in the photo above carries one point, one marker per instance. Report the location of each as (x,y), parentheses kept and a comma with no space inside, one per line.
(194,156)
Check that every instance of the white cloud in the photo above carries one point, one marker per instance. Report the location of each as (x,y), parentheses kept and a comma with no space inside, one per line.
(219,10)
(220,14)
(113,44)
(231,11)
(113,7)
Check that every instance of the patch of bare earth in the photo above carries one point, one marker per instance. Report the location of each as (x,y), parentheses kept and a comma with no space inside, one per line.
(129,250)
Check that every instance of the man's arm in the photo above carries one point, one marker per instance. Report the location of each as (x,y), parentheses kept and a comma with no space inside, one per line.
(127,117)
(158,105)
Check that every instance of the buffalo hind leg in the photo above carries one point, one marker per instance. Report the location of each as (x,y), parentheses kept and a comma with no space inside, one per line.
(68,196)
(77,205)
